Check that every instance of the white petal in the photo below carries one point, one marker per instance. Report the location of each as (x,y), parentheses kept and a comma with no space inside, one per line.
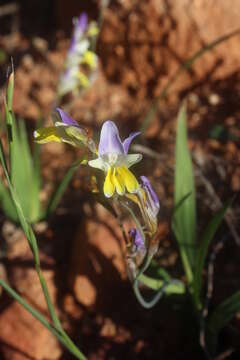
(132,159)
(98,164)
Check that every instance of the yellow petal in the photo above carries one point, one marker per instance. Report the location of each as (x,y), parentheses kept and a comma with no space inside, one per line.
(118,182)
(84,82)
(45,135)
(109,187)
(93,29)
(129,179)
(90,59)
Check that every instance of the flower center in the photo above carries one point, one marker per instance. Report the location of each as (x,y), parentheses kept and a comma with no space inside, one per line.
(113,159)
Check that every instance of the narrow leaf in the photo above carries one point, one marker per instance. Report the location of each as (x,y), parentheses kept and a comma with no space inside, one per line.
(55,199)
(184,220)
(224,313)
(206,239)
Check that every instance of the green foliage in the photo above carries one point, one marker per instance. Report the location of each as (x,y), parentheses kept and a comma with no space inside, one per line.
(206,240)
(25,171)
(220,317)
(14,188)
(57,195)
(221,133)
(184,219)
(184,226)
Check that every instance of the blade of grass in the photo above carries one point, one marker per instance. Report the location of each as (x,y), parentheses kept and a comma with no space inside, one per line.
(184,219)
(54,201)
(33,245)
(30,184)
(183,67)
(224,313)
(7,203)
(206,239)
(220,317)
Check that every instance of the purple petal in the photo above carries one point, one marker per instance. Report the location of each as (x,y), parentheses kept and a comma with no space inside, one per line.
(109,139)
(66,119)
(137,238)
(128,140)
(82,22)
(152,195)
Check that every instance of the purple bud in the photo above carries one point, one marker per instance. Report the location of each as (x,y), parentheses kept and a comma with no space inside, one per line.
(82,22)
(66,119)
(137,239)
(151,196)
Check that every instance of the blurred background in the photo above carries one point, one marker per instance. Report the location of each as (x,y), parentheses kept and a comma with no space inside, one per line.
(141,46)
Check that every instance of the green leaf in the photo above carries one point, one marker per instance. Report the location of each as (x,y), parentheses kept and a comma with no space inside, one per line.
(224,313)
(172,286)
(184,219)
(33,244)
(206,239)
(7,203)
(220,317)
(10,90)
(23,176)
(55,199)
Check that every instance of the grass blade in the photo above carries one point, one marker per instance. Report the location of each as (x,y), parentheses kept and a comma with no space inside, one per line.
(184,219)
(224,313)
(54,201)
(220,317)
(7,203)
(206,239)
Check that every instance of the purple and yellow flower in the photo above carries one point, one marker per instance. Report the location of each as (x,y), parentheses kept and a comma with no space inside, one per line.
(114,160)
(113,157)
(66,130)
(79,56)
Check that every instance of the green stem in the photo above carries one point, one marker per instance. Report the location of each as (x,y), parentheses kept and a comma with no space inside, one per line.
(173,286)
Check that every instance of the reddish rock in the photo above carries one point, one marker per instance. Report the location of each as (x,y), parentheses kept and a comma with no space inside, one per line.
(22,337)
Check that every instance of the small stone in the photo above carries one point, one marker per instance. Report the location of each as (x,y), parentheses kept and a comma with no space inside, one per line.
(214,99)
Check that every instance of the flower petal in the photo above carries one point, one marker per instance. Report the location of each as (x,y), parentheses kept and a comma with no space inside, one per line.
(109,187)
(118,182)
(97,164)
(90,59)
(65,118)
(129,179)
(132,159)
(109,139)
(82,22)
(151,195)
(128,140)
(137,239)
(45,135)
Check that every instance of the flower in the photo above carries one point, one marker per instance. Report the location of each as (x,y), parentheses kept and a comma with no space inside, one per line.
(138,241)
(81,61)
(150,199)
(114,160)
(149,204)
(66,130)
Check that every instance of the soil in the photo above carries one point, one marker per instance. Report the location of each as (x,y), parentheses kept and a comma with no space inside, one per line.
(141,45)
